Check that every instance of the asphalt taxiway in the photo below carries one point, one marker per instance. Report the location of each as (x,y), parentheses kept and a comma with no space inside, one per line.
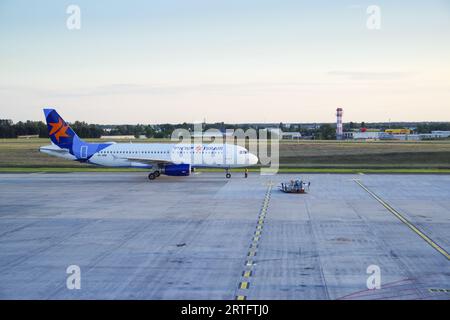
(207,237)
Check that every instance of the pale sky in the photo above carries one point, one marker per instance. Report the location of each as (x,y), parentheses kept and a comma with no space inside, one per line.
(225,60)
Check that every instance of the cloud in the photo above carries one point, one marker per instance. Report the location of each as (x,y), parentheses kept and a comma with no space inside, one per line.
(165,89)
(371,75)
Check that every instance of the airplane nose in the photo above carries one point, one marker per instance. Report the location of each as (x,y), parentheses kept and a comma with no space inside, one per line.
(252,159)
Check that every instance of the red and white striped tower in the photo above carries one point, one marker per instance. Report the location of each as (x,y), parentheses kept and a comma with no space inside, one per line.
(339,128)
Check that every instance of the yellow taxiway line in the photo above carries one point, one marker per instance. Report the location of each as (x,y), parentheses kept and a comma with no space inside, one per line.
(405,221)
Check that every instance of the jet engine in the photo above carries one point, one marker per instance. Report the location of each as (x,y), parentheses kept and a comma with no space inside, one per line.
(177,169)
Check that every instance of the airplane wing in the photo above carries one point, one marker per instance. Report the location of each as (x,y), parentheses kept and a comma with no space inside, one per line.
(151,162)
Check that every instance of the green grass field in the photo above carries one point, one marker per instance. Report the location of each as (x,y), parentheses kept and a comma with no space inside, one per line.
(22,155)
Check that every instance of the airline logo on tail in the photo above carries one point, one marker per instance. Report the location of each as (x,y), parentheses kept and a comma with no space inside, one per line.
(59,129)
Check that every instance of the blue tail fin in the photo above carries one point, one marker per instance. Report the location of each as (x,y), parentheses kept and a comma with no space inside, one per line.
(64,137)
(58,130)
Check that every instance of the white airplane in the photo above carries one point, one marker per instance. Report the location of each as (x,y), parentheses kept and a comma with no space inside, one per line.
(172,159)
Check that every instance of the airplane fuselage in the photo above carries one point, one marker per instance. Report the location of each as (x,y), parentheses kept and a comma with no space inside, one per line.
(140,154)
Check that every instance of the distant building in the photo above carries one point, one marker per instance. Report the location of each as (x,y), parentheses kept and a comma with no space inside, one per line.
(274,132)
(129,137)
(407,137)
(428,136)
(378,135)
(398,131)
(367,135)
(309,126)
(278,133)
(291,135)
(441,134)
(435,135)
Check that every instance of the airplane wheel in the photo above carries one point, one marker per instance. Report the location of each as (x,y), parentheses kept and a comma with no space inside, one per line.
(228,175)
(157,174)
(151,176)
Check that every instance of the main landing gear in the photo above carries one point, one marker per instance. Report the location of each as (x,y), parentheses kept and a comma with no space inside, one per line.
(228,174)
(153,175)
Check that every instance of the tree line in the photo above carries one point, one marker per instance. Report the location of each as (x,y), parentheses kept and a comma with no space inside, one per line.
(8,129)
(435,126)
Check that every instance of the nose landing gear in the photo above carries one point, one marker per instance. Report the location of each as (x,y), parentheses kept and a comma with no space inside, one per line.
(228,174)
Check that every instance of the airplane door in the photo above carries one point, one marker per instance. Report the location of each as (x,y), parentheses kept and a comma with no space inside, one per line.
(228,156)
(83,152)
